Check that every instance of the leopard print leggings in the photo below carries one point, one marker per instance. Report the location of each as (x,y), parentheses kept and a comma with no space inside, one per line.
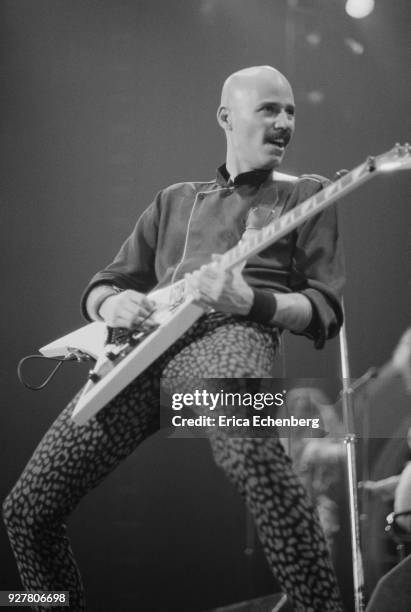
(71,460)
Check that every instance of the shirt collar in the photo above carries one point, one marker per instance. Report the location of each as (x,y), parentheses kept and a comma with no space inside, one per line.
(253,177)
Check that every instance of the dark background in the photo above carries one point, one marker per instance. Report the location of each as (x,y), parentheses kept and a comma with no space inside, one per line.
(102,104)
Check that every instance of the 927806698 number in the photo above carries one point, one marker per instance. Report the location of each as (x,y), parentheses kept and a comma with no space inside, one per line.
(29,598)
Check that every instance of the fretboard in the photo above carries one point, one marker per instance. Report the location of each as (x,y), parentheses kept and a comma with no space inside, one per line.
(272,232)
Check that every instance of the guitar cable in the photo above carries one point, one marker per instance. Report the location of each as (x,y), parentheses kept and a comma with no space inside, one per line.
(60,361)
(122,337)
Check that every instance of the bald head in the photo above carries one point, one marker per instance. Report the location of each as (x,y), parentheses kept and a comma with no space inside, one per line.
(243,81)
(257,115)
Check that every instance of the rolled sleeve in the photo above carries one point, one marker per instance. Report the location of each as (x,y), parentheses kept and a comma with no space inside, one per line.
(318,273)
(133,267)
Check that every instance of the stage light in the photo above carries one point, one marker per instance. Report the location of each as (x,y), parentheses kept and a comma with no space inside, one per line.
(358,9)
(313,39)
(354,46)
(315,97)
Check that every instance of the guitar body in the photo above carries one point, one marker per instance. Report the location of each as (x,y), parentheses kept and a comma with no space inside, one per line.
(173,322)
(91,338)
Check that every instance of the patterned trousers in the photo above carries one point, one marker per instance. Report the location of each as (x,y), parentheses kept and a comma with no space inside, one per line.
(71,460)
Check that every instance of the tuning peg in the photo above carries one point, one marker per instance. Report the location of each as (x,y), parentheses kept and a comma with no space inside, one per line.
(371,163)
(403,150)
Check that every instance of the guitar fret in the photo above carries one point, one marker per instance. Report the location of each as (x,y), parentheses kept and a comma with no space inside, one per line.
(286,223)
(347,179)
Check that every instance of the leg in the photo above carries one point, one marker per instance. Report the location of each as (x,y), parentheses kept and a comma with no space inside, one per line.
(262,472)
(286,522)
(68,462)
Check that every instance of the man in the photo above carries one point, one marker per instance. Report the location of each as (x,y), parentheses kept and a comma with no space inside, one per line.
(292,285)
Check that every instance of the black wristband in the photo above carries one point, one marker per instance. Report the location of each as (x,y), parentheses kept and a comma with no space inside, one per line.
(264,306)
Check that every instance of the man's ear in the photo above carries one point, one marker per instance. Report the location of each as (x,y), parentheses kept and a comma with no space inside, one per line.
(223,117)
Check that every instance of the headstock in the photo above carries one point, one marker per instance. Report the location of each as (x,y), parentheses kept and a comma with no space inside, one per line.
(398,158)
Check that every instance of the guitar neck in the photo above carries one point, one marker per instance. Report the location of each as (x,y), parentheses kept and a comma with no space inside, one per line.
(304,211)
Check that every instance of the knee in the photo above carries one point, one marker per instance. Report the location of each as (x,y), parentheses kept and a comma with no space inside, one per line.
(19,514)
(9,511)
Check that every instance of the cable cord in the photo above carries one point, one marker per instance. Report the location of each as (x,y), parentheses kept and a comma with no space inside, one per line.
(60,361)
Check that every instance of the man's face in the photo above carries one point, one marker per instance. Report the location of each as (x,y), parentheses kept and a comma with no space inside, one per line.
(262,117)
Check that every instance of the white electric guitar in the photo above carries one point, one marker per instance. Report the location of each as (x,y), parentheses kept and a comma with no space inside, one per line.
(117,365)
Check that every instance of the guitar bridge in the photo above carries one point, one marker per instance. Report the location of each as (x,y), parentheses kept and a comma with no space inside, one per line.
(79,355)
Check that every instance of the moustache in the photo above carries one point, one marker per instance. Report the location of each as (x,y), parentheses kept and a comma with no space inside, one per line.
(282,137)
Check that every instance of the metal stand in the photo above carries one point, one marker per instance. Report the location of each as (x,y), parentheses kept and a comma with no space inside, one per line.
(350,440)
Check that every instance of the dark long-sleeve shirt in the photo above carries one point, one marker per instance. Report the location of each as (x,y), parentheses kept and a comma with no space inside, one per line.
(187,222)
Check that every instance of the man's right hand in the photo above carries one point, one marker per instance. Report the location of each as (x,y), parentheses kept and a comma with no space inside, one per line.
(127,309)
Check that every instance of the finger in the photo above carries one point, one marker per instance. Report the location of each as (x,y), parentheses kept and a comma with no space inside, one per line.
(209,292)
(208,269)
(195,292)
(191,281)
(206,302)
(211,278)
(215,261)
(139,321)
(135,297)
(202,302)
(189,277)
(141,300)
(150,304)
(125,322)
(133,311)
(145,313)
(197,275)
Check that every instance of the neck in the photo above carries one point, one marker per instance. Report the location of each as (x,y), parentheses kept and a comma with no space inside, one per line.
(236,167)
(233,169)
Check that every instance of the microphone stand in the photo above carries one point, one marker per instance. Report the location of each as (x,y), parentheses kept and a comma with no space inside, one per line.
(350,440)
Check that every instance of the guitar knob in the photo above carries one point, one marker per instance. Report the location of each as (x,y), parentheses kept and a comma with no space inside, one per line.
(134,339)
(111,356)
(93,376)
